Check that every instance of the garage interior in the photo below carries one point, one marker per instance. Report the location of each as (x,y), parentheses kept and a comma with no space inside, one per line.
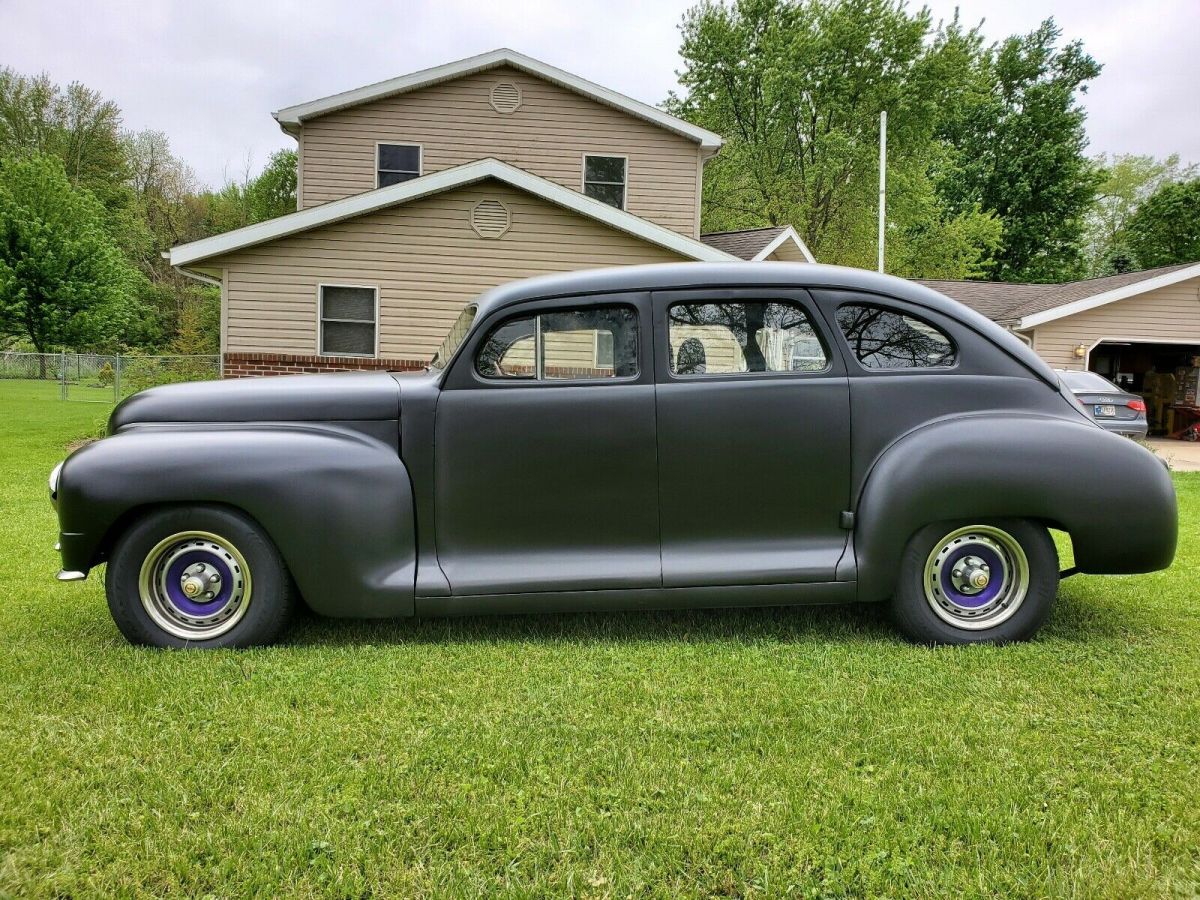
(1165,375)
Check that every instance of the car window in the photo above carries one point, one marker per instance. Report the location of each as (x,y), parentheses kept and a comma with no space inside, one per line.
(750,336)
(882,338)
(594,342)
(1088,381)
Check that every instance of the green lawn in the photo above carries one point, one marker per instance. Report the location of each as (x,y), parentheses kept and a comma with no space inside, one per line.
(744,753)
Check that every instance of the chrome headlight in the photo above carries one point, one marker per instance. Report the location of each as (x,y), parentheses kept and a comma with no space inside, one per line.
(54,476)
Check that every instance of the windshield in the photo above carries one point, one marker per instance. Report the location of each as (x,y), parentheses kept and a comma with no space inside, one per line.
(1088,381)
(450,344)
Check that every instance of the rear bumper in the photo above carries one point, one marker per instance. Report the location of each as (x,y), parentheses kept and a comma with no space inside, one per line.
(1128,427)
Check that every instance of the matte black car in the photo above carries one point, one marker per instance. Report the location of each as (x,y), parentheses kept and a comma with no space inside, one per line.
(1113,409)
(644,437)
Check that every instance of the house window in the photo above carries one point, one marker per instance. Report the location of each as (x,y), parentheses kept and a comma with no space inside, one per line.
(569,344)
(396,163)
(604,179)
(349,320)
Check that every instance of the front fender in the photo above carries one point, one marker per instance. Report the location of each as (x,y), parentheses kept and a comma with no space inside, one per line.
(338,504)
(1114,497)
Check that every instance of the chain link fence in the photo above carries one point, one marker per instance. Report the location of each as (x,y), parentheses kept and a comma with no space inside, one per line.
(100,378)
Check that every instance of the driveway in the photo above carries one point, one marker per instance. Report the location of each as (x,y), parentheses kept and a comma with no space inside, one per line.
(1181,456)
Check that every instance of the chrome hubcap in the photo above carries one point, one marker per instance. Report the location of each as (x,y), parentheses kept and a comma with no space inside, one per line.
(976,577)
(195,585)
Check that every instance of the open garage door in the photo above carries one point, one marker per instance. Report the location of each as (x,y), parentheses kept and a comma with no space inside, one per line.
(1160,372)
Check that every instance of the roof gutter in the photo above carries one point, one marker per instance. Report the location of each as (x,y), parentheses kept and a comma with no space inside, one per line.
(197,276)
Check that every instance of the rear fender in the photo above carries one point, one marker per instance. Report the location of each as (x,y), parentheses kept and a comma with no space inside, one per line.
(338,504)
(1112,496)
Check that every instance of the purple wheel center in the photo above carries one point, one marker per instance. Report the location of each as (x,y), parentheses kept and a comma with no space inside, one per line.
(996,573)
(198,607)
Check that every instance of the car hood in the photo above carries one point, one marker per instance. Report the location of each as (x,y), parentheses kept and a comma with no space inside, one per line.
(341,396)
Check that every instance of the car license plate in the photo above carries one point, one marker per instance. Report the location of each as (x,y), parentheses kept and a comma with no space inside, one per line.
(1106,410)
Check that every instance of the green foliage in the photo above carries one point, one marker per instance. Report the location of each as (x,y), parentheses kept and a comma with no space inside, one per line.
(1018,139)
(1129,181)
(1165,229)
(75,124)
(271,193)
(63,281)
(797,89)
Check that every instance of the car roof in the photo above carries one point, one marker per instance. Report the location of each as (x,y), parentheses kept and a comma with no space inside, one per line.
(698,275)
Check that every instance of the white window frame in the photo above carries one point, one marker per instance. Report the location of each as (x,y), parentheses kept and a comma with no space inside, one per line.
(596,351)
(374,354)
(397,143)
(583,179)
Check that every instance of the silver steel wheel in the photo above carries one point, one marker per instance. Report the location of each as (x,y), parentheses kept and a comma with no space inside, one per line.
(195,585)
(976,577)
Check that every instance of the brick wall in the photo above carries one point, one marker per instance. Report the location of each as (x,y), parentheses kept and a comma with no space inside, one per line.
(248,365)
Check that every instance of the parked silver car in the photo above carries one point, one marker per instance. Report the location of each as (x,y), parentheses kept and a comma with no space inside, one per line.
(1113,409)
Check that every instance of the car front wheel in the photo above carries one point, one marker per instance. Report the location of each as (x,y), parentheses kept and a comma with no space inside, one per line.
(198,577)
(976,582)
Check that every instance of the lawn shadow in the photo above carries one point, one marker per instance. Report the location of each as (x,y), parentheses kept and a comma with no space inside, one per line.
(794,624)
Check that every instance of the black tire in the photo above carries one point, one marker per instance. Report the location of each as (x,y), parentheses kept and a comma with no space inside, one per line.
(264,606)
(914,612)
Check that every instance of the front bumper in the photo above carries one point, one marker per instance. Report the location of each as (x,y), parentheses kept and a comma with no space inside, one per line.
(63,539)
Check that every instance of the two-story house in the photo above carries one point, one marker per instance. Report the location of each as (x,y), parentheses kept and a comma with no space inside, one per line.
(417,194)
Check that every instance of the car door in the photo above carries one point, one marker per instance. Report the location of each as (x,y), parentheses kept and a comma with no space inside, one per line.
(545,461)
(754,438)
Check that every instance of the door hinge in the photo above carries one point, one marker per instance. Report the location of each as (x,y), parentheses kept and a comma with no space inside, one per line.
(846,520)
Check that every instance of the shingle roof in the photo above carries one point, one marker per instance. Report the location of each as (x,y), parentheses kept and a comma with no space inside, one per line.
(743,244)
(1007,304)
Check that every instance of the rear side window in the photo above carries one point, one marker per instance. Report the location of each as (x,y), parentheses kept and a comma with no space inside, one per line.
(882,338)
(754,336)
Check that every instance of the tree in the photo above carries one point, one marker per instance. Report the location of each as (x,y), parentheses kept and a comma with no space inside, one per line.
(76,124)
(797,88)
(269,194)
(1165,229)
(63,282)
(1129,181)
(1019,146)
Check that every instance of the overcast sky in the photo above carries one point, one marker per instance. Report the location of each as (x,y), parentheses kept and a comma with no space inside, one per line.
(209,72)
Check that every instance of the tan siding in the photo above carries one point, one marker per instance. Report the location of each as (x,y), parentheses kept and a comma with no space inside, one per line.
(425,259)
(1167,315)
(787,252)
(548,136)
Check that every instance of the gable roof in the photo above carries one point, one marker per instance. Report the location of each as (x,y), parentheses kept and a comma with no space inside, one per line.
(427,185)
(290,118)
(1022,306)
(756,244)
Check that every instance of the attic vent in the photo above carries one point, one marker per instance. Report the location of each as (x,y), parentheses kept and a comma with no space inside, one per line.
(506,97)
(490,218)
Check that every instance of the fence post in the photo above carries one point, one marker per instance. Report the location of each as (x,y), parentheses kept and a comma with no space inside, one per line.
(117,378)
(62,375)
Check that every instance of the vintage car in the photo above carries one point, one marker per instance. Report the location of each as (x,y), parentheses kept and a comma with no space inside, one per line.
(687,435)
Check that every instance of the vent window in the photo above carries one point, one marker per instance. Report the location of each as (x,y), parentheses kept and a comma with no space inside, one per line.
(604,179)
(349,320)
(490,218)
(396,163)
(506,97)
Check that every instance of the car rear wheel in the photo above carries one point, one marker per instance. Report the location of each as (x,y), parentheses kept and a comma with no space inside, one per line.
(198,577)
(976,582)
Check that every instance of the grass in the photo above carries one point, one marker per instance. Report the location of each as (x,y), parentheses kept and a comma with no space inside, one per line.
(755,753)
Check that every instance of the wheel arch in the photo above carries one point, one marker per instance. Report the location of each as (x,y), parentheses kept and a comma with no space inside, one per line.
(337,505)
(1067,476)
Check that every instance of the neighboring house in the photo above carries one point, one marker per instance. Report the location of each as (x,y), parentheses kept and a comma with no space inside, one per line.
(1121,326)
(417,194)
